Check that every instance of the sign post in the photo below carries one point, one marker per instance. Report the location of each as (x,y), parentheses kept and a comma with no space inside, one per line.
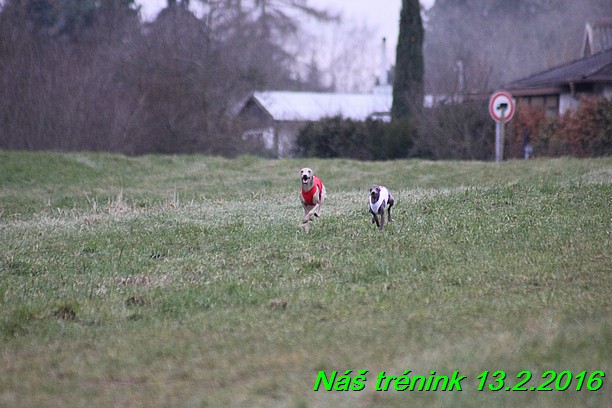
(501,109)
(499,136)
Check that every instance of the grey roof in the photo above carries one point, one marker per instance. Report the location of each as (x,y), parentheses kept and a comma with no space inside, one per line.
(596,68)
(312,106)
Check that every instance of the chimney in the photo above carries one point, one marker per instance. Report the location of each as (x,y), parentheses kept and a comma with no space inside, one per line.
(383,87)
(384,80)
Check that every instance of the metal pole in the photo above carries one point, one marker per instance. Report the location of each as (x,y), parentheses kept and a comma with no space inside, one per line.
(497,134)
(499,137)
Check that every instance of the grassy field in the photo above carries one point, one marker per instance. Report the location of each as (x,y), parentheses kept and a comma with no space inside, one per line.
(186,281)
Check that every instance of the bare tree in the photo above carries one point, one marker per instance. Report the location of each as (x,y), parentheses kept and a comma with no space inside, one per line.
(103,80)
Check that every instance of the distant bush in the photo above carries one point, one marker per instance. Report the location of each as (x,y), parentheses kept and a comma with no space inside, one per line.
(334,137)
(586,132)
(458,131)
(338,137)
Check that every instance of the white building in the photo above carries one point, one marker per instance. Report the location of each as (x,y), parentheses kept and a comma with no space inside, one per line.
(275,118)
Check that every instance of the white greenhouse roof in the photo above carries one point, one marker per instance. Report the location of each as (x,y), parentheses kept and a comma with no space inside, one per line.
(312,106)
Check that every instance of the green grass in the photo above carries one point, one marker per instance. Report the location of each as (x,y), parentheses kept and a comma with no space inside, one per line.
(186,281)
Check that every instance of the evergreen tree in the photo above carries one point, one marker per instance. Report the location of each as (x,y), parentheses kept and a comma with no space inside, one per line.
(408,82)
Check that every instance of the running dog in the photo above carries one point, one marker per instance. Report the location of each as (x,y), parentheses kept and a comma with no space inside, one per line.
(379,200)
(313,196)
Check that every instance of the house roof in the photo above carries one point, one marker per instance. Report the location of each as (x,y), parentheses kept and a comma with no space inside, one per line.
(597,37)
(312,106)
(596,68)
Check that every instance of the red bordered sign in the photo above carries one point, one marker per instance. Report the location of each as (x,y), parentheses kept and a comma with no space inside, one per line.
(501,100)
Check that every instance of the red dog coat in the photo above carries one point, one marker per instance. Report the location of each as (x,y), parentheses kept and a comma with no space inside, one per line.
(309,195)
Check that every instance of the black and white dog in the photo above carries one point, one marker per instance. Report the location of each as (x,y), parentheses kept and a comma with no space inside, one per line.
(380,198)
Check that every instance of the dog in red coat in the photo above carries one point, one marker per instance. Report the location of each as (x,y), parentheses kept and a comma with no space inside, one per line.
(312,197)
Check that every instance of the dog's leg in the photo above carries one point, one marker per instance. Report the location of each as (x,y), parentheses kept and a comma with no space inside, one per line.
(389,210)
(382,218)
(315,211)
(319,204)
(375,219)
(305,218)
(305,223)
(309,214)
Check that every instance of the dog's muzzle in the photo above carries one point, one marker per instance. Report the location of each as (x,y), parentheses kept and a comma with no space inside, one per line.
(304,178)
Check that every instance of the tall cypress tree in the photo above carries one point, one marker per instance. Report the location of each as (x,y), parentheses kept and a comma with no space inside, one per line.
(408,83)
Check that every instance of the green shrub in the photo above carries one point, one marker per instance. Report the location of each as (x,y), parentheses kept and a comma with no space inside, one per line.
(338,137)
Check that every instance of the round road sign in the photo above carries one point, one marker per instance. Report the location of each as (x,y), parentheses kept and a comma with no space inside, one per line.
(501,101)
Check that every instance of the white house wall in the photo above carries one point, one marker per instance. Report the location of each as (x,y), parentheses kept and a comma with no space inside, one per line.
(567,102)
(262,135)
(287,134)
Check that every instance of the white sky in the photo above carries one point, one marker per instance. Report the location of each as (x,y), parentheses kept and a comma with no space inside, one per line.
(381,15)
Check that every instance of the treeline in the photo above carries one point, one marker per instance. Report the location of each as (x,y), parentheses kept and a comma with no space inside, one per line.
(464,131)
(90,75)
